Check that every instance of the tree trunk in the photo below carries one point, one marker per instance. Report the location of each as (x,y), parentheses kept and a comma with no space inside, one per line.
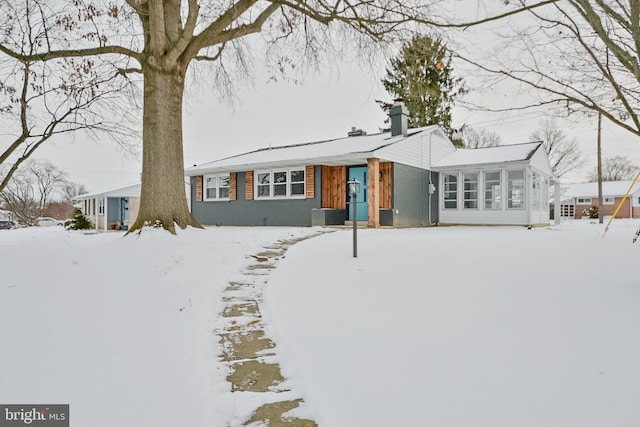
(163,198)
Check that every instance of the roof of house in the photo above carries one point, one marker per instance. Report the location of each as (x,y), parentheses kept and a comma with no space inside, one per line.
(341,151)
(590,189)
(499,154)
(131,190)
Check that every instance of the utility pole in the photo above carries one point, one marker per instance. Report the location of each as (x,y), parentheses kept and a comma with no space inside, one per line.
(600,206)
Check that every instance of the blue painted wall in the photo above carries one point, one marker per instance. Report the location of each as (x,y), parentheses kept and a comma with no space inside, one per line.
(287,212)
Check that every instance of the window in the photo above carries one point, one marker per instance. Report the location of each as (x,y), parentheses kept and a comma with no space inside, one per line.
(492,190)
(583,201)
(450,191)
(567,211)
(216,187)
(101,206)
(515,189)
(470,190)
(297,182)
(280,183)
(607,200)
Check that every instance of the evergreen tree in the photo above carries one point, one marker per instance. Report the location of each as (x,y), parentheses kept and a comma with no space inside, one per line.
(78,222)
(423,77)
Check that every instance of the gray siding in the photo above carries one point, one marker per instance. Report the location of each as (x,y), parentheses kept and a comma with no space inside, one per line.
(411,197)
(286,212)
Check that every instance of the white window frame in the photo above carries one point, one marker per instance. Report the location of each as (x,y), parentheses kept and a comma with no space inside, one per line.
(448,192)
(510,187)
(218,188)
(495,191)
(567,211)
(272,185)
(583,200)
(469,190)
(608,200)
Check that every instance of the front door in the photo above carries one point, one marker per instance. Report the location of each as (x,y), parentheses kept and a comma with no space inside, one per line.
(360,173)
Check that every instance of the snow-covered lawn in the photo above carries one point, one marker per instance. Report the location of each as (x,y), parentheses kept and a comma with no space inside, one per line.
(464,326)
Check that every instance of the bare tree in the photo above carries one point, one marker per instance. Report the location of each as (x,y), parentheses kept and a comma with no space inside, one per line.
(578,56)
(19,198)
(564,154)
(481,138)
(71,190)
(40,100)
(616,168)
(160,40)
(31,188)
(46,178)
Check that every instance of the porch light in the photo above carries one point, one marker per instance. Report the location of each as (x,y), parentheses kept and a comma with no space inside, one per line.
(354,189)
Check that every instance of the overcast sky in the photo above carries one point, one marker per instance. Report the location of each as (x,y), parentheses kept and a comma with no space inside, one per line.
(325,105)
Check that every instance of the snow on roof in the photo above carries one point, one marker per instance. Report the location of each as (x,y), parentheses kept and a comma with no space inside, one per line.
(123,191)
(590,189)
(356,147)
(499,154)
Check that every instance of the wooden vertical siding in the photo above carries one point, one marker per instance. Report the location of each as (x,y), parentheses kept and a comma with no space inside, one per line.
(373,168)
(334,187)
(386,184)
(232,186)
(248,185)
(199,188)
(310,182)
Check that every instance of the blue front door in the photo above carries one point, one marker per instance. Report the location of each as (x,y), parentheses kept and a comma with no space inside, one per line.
(360,173)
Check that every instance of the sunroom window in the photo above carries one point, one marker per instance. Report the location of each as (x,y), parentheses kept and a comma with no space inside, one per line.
(515,189)
(450,191)
(471,190)
(492,190)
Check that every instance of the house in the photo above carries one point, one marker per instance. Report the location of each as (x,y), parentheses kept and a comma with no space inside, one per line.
(504,185)
(306,184)
(401,175)
(576,198)
(112,209)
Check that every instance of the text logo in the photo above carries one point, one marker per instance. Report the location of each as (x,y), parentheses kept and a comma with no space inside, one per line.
(34,415)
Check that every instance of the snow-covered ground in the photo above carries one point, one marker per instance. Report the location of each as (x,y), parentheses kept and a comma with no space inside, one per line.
(458,326)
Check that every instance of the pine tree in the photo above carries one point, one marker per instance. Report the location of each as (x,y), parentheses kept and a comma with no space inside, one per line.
(422,76)
(78,221)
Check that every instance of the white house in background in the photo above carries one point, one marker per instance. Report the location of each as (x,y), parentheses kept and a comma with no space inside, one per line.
(575,198)
(115,209)
(504,185)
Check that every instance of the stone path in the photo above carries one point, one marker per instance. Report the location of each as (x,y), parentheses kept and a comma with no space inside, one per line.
(249,354)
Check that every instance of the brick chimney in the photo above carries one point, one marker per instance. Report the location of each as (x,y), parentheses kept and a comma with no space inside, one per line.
(399,118)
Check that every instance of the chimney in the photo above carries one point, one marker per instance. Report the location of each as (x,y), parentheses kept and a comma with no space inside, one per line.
(399,118)
(356,132)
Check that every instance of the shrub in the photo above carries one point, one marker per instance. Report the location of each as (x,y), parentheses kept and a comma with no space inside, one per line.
(592,212)
(78,222)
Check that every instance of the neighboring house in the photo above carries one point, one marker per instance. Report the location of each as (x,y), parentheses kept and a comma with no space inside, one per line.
(113,209)
(576,198)
(504,185)
(306,184)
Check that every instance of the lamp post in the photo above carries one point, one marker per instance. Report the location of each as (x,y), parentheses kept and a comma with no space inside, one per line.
(354,189)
